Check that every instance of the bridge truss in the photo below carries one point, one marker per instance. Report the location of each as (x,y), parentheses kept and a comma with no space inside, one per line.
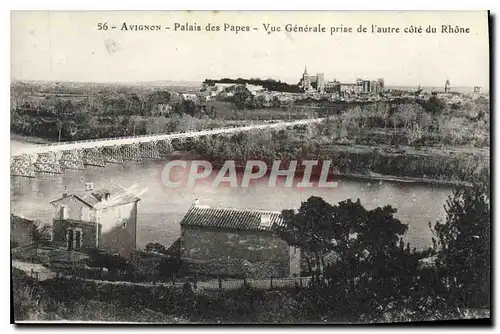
(55,158)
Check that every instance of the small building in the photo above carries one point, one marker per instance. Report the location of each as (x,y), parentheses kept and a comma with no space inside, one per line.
(309,83)
(20,230)
(189,97)
(255,89)
(102,219)
(236,242)
(217,88)
(350,89)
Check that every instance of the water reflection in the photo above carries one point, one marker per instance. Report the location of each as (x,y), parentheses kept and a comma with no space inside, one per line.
(161,209)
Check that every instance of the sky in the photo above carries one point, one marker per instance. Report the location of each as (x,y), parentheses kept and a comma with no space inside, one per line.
(67,46)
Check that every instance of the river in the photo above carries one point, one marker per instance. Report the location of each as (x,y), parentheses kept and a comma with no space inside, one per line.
(161,209)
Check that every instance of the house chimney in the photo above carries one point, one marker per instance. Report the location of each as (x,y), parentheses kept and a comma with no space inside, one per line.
(89,186)
(196,202)
(65,193)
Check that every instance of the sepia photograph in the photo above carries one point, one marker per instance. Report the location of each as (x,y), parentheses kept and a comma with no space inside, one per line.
(250,167)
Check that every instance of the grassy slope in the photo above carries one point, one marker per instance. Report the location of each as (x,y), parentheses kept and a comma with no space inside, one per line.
(32,303)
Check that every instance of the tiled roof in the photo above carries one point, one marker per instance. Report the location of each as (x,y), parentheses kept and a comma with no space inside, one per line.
(97,198)
(230,218)
(20,221)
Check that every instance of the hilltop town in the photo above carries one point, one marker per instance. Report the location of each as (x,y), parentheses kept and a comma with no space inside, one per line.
(317,88)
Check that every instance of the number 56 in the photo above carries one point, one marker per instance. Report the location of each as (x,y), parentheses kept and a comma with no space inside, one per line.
(102,26)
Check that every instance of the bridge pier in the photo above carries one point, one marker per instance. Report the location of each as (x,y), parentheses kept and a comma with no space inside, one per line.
(112,155)
(93,157)
(71,159)
(131,152)
(47,163)
(149,150)
(22,166)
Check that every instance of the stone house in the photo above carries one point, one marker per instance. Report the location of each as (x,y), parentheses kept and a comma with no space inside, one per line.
(236,242)
(20,230)
(189,97)
(102,219)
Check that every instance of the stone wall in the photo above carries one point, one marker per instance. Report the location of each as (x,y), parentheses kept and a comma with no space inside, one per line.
(59,230)
(234,253)
(74,209)
(20,230)
(235,268)
(118,232)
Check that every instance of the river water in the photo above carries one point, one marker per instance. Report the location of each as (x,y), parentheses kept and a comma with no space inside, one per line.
(161,209)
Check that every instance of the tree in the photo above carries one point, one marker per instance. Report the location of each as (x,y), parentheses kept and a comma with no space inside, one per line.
(464,243)
(434,105)
(169,267)
(158,97)
(241,97)
(40,236)
(155,247)
(59,125)
(188,107)
(369,270)
(320,228)
(406,115)
(136,125)
(156,125)
(310,228)
(101,259)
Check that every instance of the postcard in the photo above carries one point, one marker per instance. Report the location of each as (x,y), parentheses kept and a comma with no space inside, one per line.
(224,167)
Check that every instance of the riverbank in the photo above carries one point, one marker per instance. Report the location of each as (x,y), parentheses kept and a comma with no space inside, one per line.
(332,176)
(29,139)
(18,142)
(396,179)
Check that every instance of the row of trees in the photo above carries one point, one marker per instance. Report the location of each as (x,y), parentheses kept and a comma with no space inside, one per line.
(315,143)
(269,84)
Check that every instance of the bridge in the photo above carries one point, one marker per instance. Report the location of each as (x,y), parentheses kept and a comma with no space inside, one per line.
(53,158)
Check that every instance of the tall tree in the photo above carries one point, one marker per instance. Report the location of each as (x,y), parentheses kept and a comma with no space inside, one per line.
(367,270)
(311,229)
(40,236)
(465,245)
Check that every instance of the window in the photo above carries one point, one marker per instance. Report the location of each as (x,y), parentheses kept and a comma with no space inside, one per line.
(69,239)
(121,222)
(78,240)
(74,238)
(63,212)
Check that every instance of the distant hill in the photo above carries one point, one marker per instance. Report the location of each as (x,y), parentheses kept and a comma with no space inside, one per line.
(172,83)
(269,84)
(439,89)
(168,83)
